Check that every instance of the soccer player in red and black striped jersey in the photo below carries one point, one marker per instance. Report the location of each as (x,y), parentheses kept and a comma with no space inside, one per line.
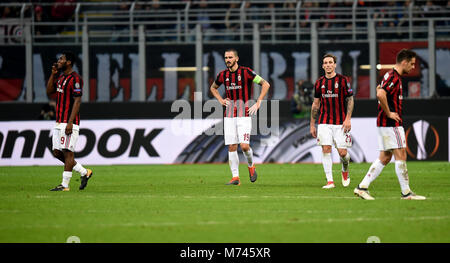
(391,135)
(69,86)
(238,82)
(333,108)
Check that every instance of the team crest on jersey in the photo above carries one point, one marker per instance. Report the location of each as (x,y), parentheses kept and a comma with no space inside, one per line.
(400,97)
(336,85)
(239,77)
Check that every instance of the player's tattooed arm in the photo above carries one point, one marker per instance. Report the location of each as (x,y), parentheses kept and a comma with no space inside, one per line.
(350,105)
(315,110)
(347,125)
(264,89)
(314,114)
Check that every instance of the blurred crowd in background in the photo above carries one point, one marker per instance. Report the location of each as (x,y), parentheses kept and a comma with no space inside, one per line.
(63,11)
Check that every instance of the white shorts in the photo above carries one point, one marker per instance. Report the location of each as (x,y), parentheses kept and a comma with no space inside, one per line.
(61,141)
(237,130)
(391,138)
(328,134)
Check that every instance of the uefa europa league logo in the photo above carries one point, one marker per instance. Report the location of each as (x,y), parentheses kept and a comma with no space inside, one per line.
(427,139)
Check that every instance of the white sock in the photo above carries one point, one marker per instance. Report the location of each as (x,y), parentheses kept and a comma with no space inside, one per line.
(327,166)
(249,155)
(233,160)
(66,178)
(80,169)
(374,170)
(345,162)
(402,175)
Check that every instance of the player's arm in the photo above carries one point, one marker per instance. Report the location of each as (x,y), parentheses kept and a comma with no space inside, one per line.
(51,87)
(314,114)
(264,89)
(346,125)
(216,94)
(382,99)
(75,110)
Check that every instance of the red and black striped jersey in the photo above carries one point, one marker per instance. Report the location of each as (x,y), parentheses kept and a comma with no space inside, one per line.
(67,88)
(238,88)
(392,84)
(332,93)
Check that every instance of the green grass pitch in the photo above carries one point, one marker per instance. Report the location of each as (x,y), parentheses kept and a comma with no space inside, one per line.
(192,204)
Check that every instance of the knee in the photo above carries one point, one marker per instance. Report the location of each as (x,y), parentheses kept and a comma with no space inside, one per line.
(245,147)
(385,159)
(342,152)
(326,149)
(56,153)
(232,148)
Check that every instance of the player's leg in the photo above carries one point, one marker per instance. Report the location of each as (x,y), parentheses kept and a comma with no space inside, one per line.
(374,171)
(376,168)
(327,164)
(248,153)
(58,155)
(231,139)
(244,128)
(233,161)
(345,161)
(77,167)
(59,140)
(68,167)
(386,143)
(343,141)
(401,171)
(325,139)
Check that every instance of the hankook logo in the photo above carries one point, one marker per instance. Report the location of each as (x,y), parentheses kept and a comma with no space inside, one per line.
(425,136)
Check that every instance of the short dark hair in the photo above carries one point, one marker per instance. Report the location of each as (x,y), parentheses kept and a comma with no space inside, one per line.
(232,50)
(405,54)
(69,56)
(330,56)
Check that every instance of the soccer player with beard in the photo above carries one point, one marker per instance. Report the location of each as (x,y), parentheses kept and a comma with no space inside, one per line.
(68,86)
(333,108)
(238,82)
(391,135)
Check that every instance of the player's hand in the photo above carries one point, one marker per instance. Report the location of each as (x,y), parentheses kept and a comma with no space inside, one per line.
(54,69)
(346,126)
(313,131)
(253,109)
(225,102)
(69,128)
(394,116)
